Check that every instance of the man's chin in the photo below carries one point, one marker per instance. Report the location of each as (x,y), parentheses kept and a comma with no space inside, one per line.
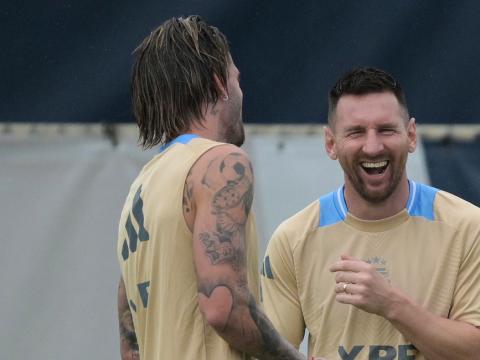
(376,196)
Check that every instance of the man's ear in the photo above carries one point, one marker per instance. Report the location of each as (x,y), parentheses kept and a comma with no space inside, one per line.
(221,87)
(412,135)
(330,145)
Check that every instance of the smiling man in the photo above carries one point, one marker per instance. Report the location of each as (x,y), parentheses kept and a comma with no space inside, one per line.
(383,267)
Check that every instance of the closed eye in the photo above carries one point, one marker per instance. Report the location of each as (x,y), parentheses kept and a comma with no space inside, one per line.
(354,133)
(388,131)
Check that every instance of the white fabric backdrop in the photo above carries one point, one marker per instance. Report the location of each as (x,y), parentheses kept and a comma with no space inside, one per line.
(61,194)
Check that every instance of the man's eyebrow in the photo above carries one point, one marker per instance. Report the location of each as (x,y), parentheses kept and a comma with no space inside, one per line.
(388,124)
(354,128)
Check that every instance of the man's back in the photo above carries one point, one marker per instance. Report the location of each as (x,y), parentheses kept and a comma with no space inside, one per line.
(156,258)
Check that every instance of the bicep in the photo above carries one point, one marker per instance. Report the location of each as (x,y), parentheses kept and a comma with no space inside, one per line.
(222,191)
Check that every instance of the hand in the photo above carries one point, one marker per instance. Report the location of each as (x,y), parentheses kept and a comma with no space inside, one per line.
(359,284)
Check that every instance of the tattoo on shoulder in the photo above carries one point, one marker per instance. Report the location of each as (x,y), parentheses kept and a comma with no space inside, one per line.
(230,177)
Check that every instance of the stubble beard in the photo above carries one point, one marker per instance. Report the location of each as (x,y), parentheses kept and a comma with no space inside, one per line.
(233,129)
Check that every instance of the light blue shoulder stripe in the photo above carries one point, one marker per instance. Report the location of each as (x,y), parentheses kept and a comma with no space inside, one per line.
(183,139)
(421,201)
(332,208)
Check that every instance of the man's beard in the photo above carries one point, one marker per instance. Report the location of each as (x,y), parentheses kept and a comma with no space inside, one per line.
(233,131)
(235,134)
(376,197)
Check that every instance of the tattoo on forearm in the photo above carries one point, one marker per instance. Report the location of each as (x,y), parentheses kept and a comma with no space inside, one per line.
(127,331)
(273,345)
(263,325)
(128,338)
(269,342)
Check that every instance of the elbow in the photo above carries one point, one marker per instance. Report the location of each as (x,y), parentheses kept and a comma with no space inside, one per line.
(217,307)
(216,318)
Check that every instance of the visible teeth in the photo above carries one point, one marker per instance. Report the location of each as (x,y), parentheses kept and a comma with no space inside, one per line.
(374,165)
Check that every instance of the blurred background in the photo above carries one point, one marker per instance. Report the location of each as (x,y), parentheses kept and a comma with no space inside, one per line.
(68,143)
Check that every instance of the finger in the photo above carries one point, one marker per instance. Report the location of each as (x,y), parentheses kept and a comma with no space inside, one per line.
(347,277)
(340,287)
(348,265)
(348,288)
(351,299)
(348,257)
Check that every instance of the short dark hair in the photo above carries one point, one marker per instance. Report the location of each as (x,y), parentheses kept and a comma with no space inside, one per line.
(363,81)
(173,77)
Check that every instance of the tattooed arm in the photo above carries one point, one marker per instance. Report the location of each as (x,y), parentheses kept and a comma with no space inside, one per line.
(128,338)
(217,200)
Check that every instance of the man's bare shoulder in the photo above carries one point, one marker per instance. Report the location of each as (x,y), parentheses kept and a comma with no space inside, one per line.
(220,151)
(220,166)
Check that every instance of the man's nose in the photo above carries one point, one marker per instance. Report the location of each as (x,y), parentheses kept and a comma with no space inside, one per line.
(373,144)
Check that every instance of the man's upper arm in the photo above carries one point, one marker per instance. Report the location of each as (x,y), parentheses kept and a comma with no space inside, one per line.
(279,289)
(222,190)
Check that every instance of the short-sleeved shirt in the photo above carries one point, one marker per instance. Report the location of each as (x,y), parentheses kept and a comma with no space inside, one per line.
(156,258)
(430,251)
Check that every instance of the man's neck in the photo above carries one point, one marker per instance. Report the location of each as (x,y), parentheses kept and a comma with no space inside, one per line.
(207,127)
(366,210)
(206,132)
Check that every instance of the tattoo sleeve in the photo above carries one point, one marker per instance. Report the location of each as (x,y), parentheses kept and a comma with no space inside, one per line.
(229,181)
(128,337)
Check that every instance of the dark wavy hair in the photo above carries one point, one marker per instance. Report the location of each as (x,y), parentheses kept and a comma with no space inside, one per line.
(173,77)
(362,81)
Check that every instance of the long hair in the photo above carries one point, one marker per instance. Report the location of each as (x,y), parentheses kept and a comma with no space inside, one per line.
(173,77)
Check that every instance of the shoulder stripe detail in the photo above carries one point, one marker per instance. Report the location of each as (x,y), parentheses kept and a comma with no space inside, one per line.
(182,139)
(422,201)
(413,192)
(133,306)
(266,268)
(341,200)
(331,209)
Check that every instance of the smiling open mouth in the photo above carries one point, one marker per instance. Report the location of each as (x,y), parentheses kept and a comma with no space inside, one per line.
(375,167)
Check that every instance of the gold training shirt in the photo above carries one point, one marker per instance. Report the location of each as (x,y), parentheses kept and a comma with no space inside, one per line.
(430,251)
(156,258)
